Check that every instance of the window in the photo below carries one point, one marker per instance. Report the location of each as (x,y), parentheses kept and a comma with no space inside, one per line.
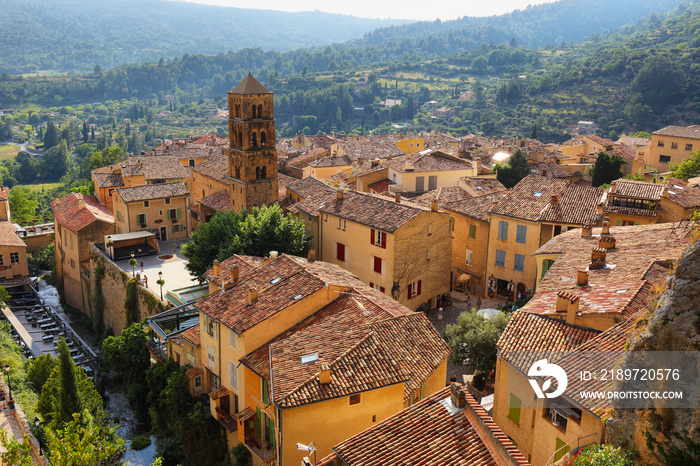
(232,375)
(664,158)
(191,162)
(420,184)
(1,260)
(414,289)
(519,263)
(146,203)
(378,238)
(472,231)
(468,258)
(378,264)
(173,214)
(177,228)
(265,392)
(167,200)
(232,338)
(514,409)
(354,399)
(377,287)
(688,147)
(546,264)
(141,220)
(211,327)
(660,143)
(341,224)
(430,229)
(452,224)
(198,381)
(72,263)
(432,182)
(502,230)
(211,359)
(500,258)
(674,145)
(340,251)
(14,257)
(521,234)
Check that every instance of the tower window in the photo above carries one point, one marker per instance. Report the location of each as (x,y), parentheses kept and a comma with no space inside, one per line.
(257,173)
(263,139)
(255,111)
(253,140)
(263,173)
(240,139)
(260,111)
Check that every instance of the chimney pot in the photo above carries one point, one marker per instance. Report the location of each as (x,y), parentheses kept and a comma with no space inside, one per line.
(582,279)
(324,377)
(554,199)
(586,231)
(234,273)
(252,296)
(607,242)
(606,228)
(217,268)
(568,302)
(457,396)
(273,254)
(312,254)
(434,205)
(598,257)
(397,197)
(81,204)
(339,195)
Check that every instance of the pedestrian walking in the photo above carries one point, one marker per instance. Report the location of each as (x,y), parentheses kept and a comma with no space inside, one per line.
(145,281)
(478,303)
(3,398)
(141,265)
(469,303)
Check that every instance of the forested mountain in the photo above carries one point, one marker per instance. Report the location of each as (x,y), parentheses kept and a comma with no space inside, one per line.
(75,35)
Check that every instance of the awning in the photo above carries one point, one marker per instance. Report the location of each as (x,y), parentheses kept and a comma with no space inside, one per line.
(464,278)
(245,414)
(193,372)
(469,272)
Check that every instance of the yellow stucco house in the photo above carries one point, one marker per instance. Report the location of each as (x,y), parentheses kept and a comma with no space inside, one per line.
(671,144)
(285,340)
(14,269)
(631,202)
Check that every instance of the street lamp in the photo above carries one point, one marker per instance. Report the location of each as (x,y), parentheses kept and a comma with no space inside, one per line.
(311,448)
(38,434)
(161,282)
(132,261)
(9,386)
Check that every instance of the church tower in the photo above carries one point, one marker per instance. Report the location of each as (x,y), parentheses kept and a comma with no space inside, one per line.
(252,156)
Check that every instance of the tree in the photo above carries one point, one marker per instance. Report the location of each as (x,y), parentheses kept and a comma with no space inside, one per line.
(473,337)
(22,208)
(14,452)
(85,132)
(602,455)
(39,370)
(533,135)
(51,138)
(83,442)
(517,168)
(660,81)
(127,354)
(55,162)
(607,168)
(69,401)
(689,168)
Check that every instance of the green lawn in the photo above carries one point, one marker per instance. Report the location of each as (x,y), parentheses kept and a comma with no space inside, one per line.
(38,186)
(8,151)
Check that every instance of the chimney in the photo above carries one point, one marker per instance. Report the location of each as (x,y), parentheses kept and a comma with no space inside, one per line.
(273,255)
(81,204)
(252,296)
(607,242)
(397,197)
(613,186)
(457,396)
(312,255)
(582,278)
(409,166)
(234,273)
(568,302)
(375,162)
(324,377)
(664,193)
(586,231)
(339,195)
(434,205)
(554,199)
(606,228)
(598,257)
(477,164)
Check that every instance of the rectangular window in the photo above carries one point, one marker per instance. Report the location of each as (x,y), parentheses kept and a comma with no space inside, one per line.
(660,144)
(232,375)
(514,409)
(232,339)
(119,215)
(502,230)
(340,252)
(377,264)
(472,231)
(521,234)
(141,220)
(72,263)
(432,182)
(688,147)
(176,227)
(546,264)
(2,262)
(468,258)
(167,200)
(14,257)
(377,238)
(211,327)
(664,158)
(146,203)
(265,392)
(191,162)
(452,224)
(354,399)
(674,145)
(519,263)
(500,258)
(414,289)
(420,184)
(211,358)
(341,224)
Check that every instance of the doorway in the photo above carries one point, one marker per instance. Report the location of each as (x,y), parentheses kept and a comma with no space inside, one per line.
(163,233)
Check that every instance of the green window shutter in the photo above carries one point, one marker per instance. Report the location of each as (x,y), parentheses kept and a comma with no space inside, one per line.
(265,394)
(168,214)
(174,228)
(472,231)
(258,424)
(119,215)
(272,432)
(514,409)
(560,449)
(178,212)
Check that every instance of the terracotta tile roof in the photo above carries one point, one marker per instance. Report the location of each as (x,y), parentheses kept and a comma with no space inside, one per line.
(246,264)
(444,196)
(549,169)
(108,180)
(382,147)
(428,161)
(280,283)
(153,191)
(158,167)
(193,372)
(332,161)
(4,193)
(433,428)
(683,193)
(8,237)
(476,207)
(691,132)
(304,159)
(282,182)
(67,211)
(381,187)
(630,211)
(481,186)
(216,167)
(219,201)
(189,151)
(312,204)
(636,189)
(598,140)
(531,199)
(528,337)
(191,335)
(373,210)
(636,248)
(363,344)
(249,85)
(210,139)
(308,186)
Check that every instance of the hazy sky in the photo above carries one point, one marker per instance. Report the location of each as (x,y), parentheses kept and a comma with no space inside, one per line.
(421,11)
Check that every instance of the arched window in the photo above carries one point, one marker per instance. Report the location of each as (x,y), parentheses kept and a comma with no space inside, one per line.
(254,111)
(260,111)
(257,173)
(263,139)
(238,172)
(263,173)
(235,138)
(240,139)
(253,140)
(238,111)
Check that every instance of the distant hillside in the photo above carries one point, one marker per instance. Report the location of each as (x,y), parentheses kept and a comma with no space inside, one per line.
(75,35)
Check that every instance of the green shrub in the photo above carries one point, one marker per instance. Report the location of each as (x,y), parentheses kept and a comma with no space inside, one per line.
(140,442)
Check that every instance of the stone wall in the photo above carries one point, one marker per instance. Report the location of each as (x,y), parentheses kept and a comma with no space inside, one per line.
(38,242)
(113,289)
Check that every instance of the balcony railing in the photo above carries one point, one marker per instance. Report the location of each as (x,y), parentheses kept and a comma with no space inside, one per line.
(260,448)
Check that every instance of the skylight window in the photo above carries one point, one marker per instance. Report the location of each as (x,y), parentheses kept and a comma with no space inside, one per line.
(275,280)
(537,194)
(297,297)
(313,357)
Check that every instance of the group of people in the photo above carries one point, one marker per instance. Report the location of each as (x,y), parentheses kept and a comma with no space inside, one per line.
(469,302)
(3,399)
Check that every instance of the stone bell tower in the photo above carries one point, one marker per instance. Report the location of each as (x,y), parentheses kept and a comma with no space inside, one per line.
(252,156)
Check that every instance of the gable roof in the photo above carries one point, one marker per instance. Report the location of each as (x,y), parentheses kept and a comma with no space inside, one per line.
(683,193)
(477,207)
(108,180)
(444,195)
(308,186)
(8,237)
(157,167)
(153,191)
(691,132)
(550,169)
(428,160)
(332,161)
(636,189)
(481,186)
(69,214)
(246,264)
(215,167)
(220,201)
(249,85)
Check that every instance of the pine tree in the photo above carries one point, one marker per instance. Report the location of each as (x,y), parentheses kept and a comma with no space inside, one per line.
(69,399)
(533,135)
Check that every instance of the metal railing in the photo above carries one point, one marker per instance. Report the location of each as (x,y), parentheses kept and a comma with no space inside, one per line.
(578,445)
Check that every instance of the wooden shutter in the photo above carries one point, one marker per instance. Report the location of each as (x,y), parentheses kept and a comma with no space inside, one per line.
(168,214)
(178,212)
(409,291)
(378,264)
(371,237)
(418,291)
(258,424)
(384,240)
(341,252)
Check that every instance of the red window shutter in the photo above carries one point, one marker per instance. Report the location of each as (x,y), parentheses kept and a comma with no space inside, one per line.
(371,284)
(341,252)
(382,289)
(371,236)
(384,240)
(418,292)
(409,291)
(377,264)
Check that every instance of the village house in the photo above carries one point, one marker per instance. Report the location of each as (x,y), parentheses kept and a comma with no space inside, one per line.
(14,269)
(672,144)
(633,202)
(681,200)
(158,208)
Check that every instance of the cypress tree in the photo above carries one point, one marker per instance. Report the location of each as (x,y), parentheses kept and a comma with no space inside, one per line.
(69,399)
(533,135)
(85,132)
(51,138)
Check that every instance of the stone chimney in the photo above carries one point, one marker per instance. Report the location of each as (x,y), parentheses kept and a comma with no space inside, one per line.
(375,162)
(434,205)
(554,199)
(217,268)
(568,302)
(324,377)
(312,254)
(339,195)
(613,186)
(598,256)
(457,396)
(409,166)
(273,255)
(397,197)
(582,278)
(607,242)
(477,164)
(234,273)
(586,231)
(606,228)
(252,296)
(81,204)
